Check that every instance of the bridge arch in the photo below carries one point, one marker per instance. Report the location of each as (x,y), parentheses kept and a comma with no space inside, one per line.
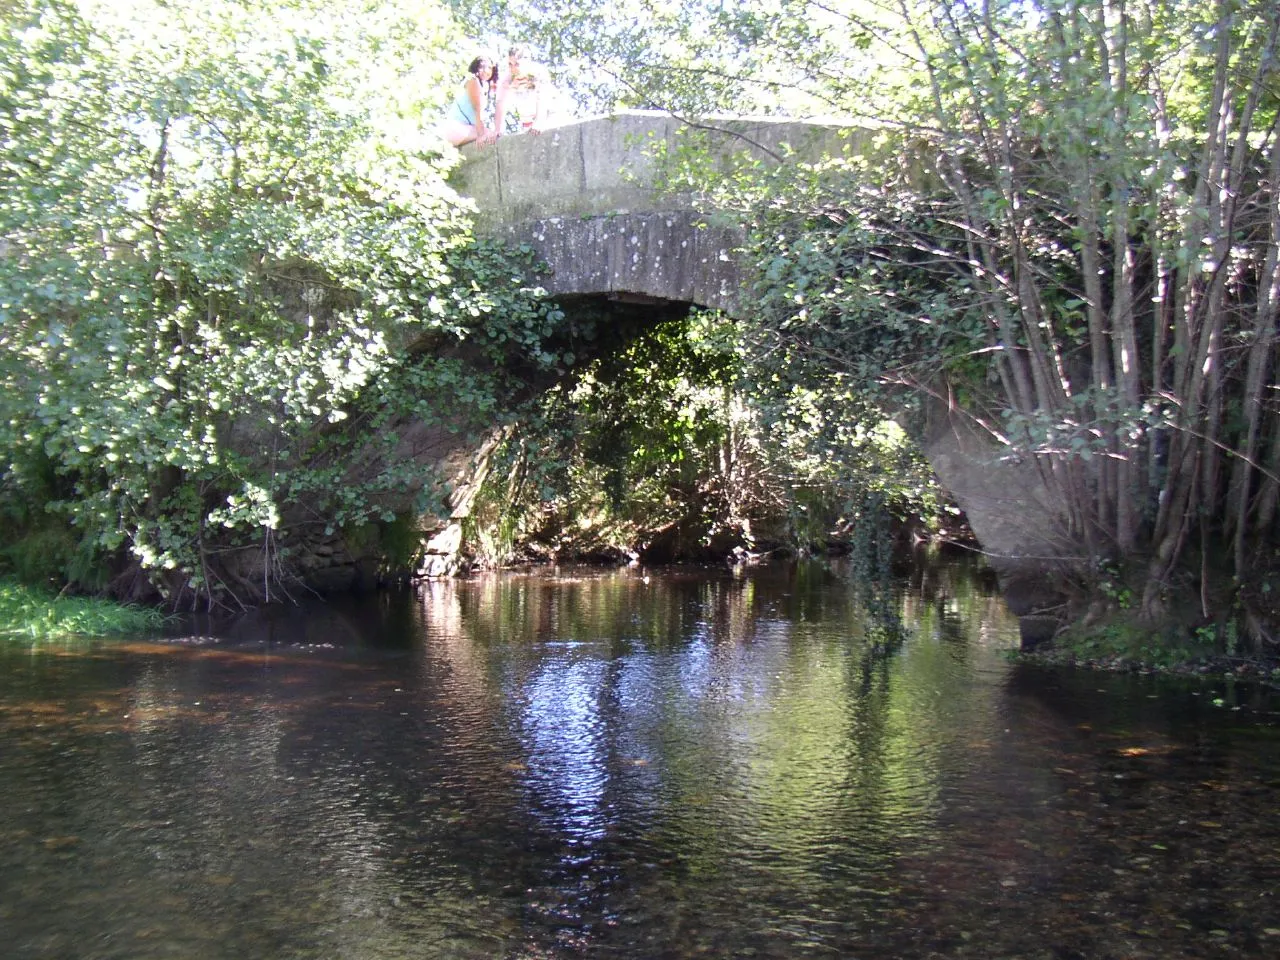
(587,199)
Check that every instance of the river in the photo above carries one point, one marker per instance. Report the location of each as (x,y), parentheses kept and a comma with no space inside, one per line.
(628,764)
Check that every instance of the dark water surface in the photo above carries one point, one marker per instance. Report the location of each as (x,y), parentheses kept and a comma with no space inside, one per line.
(662,765)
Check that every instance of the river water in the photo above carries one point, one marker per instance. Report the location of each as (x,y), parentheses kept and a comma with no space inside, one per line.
(628,764)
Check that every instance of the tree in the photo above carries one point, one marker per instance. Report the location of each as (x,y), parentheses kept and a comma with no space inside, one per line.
(228,239)
(1084,249)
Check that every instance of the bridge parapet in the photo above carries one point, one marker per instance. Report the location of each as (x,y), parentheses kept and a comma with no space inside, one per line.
(586,197)
(605,166)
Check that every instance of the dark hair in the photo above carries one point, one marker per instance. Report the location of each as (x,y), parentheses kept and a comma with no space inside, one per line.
(475,68)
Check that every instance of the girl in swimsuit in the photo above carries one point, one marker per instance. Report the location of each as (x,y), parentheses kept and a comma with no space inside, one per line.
(464,120)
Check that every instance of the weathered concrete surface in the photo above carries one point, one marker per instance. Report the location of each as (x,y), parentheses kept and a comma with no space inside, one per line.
(1010,506)
(607,166)
(667,256)
(585,197)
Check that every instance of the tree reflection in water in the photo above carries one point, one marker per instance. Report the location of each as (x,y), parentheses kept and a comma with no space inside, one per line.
(611,764)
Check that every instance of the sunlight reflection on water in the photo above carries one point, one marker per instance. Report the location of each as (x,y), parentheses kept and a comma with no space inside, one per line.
(623,764)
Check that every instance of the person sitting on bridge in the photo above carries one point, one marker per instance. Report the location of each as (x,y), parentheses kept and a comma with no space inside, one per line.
(464,121)
(526,95)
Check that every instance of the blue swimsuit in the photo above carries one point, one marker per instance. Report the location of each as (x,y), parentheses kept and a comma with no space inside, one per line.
(461,109)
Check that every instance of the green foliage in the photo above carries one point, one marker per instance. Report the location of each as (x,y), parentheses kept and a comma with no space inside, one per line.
(695,57)
(831,315)
(633,442)
(234,278)
(1125,643)
(677,443)
(28,613)
(1111,584)
(231,258)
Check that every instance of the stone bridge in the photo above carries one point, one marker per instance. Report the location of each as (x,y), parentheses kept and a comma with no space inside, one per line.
(587,198)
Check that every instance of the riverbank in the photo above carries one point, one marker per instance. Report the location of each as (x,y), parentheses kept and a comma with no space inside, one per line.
(1104,652)
(31,613)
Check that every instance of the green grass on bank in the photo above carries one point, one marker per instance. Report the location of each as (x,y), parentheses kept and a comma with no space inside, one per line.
(31,613)
(1213,650)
